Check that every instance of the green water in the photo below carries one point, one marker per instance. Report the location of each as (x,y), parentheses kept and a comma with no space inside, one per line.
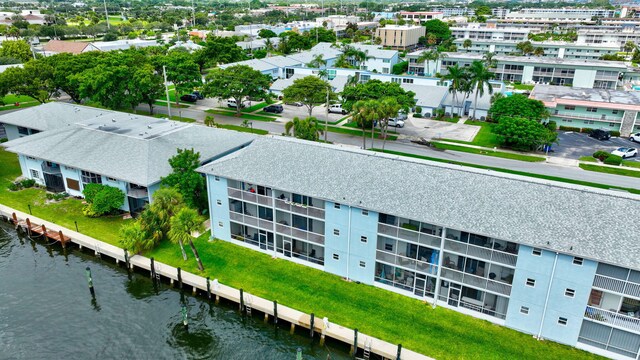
(47,312)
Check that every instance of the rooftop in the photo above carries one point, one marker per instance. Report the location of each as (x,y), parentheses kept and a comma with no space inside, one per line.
(561,217)
(52,115)
(541,60)
(59,46)
(552,95)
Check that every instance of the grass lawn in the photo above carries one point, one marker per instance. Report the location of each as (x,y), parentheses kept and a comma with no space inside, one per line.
(255,107)
(588,159)
(611,170)
(63,213)
(439,333)
(243,129)
(12,99)
(499,154)
(523,87)
(485,136)
(267,113)
(357,132)
(243,116)
(175,117)
(523,173)
(625,163)
(163,103)
(22,105)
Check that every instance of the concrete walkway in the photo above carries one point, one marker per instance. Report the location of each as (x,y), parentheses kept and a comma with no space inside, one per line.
(295,317)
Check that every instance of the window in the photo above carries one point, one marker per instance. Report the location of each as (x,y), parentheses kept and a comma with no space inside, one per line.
(363,264)
(614,111)
(220,224)
(386,61)
(336,206)
(23,130)
(536,252)
(569,293)
(34,173)
(336,257)
(31,158)
(111,179)
(336,232)
(531,282)
(69,168)
(577,260)
(388,247)
(216,178)
(569,107)
(363,239)
(524,310)
(91,178)
(73,184)
(562,321)
(365,212)
(592,109)
(219,202)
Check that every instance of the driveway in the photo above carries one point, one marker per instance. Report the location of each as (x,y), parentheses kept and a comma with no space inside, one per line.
(574,145)
(429,129)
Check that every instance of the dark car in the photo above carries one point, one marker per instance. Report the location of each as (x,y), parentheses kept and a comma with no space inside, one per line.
(189,98)
(198,94)
(276,108)
(600,134)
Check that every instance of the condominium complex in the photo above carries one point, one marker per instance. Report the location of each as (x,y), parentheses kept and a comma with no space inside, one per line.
(552,49)
(493,33)
(609,37)
(420,16)
(530,69)
(546,259)
(400,36)
(591,108)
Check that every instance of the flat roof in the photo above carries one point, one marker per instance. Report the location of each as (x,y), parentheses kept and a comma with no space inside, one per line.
(125,146)
(545,43)
(562,217)
(540,60)
(616,99)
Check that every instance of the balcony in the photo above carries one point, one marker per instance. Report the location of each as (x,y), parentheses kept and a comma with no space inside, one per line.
(476,281)
(300,209)
(138,192)
(51,168)
(481,252)
(586,117)
(250,197)
(407,263)
(612,318)
(503,71)
(251,221)
(287,230)
(410,235)
(617,285)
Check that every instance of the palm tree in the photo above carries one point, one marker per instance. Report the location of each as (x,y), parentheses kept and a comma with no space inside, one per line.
(133,238)
(167,201)
(467,44)
(489,60)
(362,114)
(183,224)
(538,51)
(317,62)
(479,78)
(455,75)
(389,108)
(268,46)
(307,129)
(426,57)
(361,56)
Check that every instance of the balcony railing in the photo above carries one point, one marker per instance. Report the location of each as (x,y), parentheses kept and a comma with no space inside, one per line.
(617,285)
(410,235)
(481,252)
(612,318)
(477,281)
(300,209)
(250,197)
(587,117)
(55,169)
(408,263)
(251,220)
(138,193)
(300,234)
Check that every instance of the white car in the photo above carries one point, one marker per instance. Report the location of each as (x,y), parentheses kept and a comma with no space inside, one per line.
(625,152)
(395,122)
(635,137)
(337,109)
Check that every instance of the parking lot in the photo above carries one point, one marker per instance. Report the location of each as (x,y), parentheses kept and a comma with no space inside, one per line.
(574,145)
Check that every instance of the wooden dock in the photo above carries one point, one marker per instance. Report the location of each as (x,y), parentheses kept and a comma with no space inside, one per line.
(248,302)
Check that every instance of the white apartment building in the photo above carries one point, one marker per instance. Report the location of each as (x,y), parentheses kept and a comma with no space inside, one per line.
(420,16)
(400,36)
(608,37)
(333,21)
(552,49)
(563,11)
(476,31)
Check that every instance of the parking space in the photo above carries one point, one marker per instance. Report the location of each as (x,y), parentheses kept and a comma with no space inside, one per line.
(430,129)
(574,145)
(319,112)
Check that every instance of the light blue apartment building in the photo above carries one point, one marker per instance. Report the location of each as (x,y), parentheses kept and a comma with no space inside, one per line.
(551,260)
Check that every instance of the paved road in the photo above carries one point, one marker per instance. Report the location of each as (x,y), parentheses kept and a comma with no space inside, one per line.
(404,145)
(574,145)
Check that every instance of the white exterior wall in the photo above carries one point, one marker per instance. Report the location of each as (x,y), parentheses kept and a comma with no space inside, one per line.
(74,174)
(527,74)
(584,78)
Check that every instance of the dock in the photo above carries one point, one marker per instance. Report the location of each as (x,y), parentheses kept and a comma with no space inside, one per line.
(247,302)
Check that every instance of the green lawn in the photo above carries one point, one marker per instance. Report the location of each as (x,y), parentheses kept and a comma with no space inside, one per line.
(175,117)
(439,333)
(523,87)
(499,154)
(356,132)
(243,116)
(625,163)
(255,107)
(22,105)
(12,99)
(163,103)
(267,113)
(485,136)
(611,170)
(539,176)
(243,129)
(63,213)
(588,159)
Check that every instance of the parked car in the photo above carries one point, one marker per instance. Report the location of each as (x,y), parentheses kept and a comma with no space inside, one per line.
(189,98)
(402,115)
(396,122)
(294,103)
(275,108)
(635,137)
(232,104)
(625,152)
(600,134)
(198,94)
(337,109)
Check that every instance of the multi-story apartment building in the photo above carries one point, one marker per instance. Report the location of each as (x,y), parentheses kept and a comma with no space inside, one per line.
(455,11)
(489,33)
(609,37)
(530,70)
(420,16)
(499,13)
(562,11)
(552,260)
(552,49)
(591,108)
(400,36)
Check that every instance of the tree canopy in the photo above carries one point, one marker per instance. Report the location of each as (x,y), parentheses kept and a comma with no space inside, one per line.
(374,90)
(236,82)
(439,29)
(189,183)
(16,49)
(518,105)
(266,34)
(310,91)
(307,129)
(523,134)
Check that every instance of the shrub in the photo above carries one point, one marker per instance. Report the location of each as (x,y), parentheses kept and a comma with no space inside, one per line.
(552,125)
(615,133)
(56,196)
(586,130)
(569,128)
(102,199)
(27,183)
(417,115)
(601,155)
(90,191)
(3,140)
(14,187)
(613,160)
(418,110)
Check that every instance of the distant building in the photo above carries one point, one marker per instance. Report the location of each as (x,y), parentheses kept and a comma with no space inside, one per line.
(420,17)
(400,37)
(552,49)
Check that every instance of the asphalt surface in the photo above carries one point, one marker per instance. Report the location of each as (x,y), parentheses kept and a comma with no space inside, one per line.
(574,145)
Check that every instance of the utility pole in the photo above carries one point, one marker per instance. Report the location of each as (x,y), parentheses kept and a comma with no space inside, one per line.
(166,90)
(106,13)
(326,118)
(193,14)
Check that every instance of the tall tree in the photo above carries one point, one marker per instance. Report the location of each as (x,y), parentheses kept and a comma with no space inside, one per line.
(364,113)
(389,108)
(236,82)
(310,91)
(374,90)
(455,76)
(186,180)
(149,84)
(479,77)
(156,217)
(34,79)
(466,44)
(518,105)
(427,57)
(17,49)
(183,224)
(67,66)
(183,72)
(439,29)
(488,59)
(317,62)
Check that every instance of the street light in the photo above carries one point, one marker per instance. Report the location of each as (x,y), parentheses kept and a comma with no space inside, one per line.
(251,125)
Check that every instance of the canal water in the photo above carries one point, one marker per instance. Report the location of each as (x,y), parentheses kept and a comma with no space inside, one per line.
(47,312)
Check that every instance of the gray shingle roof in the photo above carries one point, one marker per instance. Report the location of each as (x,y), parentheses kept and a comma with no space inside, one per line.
(51,115)
(131,148)
(606,96)
(586,222)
